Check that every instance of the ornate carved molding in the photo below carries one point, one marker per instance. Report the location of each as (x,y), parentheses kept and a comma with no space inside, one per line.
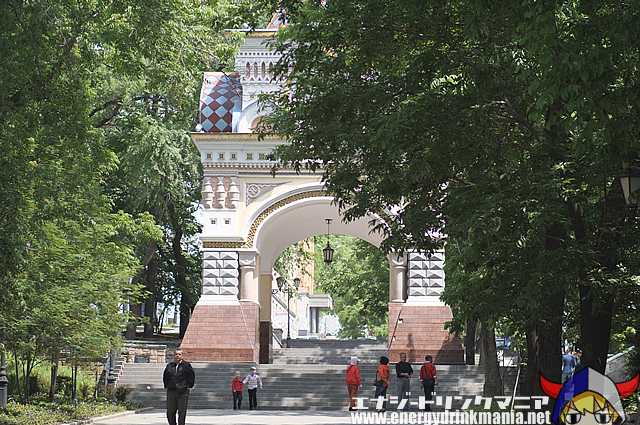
(256,190)
(264,214)
(398,261)
(247,259)
(223,244)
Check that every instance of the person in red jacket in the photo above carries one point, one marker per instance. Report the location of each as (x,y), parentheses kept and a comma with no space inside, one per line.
(353,381)
(428,379)
(236,386)
(382,375)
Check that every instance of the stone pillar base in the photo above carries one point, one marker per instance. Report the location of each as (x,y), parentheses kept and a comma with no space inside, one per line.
(223,333)
(420,331)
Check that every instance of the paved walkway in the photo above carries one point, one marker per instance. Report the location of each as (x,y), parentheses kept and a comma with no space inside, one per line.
(230,417)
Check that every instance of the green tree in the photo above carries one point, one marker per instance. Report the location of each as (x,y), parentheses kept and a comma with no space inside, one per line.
(84,86)
(499,124)
(144,116)
(358,281)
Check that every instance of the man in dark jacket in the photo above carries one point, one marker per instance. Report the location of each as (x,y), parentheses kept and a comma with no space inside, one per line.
(404,371)
(178,377)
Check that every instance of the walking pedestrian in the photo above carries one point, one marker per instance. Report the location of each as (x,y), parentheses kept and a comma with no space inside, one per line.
(404,371)
(236,387)
(353,381)
(253,381)
(382,381)
(428,380)
(178,378)
(568,365)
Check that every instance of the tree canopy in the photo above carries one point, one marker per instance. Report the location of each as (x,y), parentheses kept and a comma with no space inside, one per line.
(97,177)
(501,125)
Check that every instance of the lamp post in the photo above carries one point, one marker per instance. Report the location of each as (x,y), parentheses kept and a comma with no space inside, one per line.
(328,251)
(630,182)
(287,289)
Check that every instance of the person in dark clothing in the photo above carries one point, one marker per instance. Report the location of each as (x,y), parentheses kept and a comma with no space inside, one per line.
(178,378)
(404,371)
(428,379)
(568,365)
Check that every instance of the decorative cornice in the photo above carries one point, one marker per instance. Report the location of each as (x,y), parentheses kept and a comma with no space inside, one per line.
(231,136)
(238,165)
(223,244)
(253,33)
(264,214)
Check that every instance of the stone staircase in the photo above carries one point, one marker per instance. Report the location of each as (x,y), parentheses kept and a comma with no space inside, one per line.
(308,376)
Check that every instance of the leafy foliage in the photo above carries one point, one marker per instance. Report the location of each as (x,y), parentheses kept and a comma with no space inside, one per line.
(61,410)
(501,125)
(97,177)
(358,281)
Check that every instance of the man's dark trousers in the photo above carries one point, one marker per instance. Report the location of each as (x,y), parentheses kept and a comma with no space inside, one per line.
(177,403)
(428,394)
(253,399)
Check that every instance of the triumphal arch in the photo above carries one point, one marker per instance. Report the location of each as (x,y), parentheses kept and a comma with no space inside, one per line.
(250,217)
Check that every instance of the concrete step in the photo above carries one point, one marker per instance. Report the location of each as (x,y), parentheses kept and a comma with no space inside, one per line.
(291,386)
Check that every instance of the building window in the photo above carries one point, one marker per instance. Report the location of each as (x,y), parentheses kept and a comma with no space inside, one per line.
(208,156)
(221,156)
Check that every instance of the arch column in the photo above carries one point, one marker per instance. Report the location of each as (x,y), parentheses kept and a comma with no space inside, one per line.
(249,263)
(265,282)
(416,326)
(397,277)
(222,327)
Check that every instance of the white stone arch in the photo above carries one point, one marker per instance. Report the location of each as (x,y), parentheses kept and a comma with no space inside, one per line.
(250,216)
(302,219)
(248,116)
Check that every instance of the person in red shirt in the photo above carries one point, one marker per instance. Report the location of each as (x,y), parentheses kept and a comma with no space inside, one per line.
(237,387)
(383,375)
(428,379)
(353,381)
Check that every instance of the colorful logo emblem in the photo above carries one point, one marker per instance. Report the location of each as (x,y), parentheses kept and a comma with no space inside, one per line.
(588,398)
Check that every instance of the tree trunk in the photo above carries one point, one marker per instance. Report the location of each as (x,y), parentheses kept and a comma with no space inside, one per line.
(130,332)
(492,379)
(15,355)
(481,345)
(544,346)
(596,310)
(544,334)
(470,342)
(179,273)
(150,302)
(74,381)
(54,373)
(26,376)
(595,329)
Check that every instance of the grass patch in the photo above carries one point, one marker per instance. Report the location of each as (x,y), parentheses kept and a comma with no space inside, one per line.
(40,411)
